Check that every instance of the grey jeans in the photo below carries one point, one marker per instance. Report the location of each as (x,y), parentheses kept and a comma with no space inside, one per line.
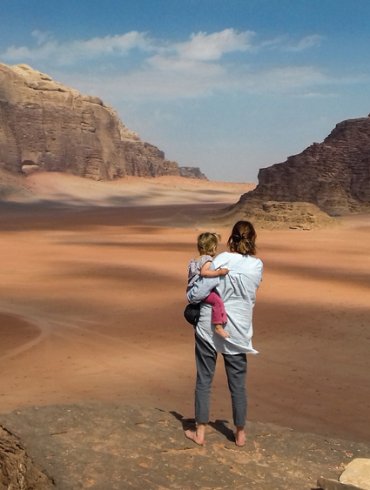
(236,371)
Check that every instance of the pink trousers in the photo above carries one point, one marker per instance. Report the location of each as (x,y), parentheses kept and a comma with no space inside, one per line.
(219,316)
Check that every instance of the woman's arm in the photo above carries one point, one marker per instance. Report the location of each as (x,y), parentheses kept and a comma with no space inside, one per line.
(206,271)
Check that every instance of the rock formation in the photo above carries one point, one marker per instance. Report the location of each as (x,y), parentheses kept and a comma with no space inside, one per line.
(276,214)
(333,175)
(17,470)
(48,126)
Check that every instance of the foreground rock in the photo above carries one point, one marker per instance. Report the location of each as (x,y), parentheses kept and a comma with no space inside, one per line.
(17,470)
(356,476)
(48,126)
(334,175)
(103,446)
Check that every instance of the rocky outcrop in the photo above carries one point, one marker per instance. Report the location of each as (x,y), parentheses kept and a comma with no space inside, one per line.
(17,470)
(48,126)
(192,173)
(333,175)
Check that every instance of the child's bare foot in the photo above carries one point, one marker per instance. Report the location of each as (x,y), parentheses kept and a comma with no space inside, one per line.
(240,437)
(198,435)
(219,329)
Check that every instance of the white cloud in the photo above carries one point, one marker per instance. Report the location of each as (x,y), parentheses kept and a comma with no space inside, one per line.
(200,47)
(184,67)
(193,68)
(318,95)
(109,44)
(306,42)
(211,47)
(284,43)
(40,36)
(50,50)
(198,80)
(200,58)
(288,78)
(151,83)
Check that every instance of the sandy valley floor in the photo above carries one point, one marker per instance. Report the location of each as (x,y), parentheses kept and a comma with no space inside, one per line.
(91,301)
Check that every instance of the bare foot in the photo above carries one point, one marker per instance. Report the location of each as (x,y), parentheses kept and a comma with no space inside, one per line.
(240,437)
(197,436)
(219,329)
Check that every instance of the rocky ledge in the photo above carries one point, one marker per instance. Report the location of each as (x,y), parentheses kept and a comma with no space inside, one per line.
(102,446)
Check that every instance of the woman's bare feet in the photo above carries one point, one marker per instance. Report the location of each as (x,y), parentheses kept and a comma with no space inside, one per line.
(240,437)
(198,435)
(219,329)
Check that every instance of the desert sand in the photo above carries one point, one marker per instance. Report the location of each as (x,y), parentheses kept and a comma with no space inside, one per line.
(92,293)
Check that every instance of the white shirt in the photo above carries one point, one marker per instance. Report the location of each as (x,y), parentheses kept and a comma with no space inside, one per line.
(238,291)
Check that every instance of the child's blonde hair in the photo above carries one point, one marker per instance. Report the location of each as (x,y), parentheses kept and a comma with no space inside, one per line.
(207,243)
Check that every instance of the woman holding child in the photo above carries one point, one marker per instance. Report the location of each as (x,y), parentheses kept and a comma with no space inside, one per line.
(237,288)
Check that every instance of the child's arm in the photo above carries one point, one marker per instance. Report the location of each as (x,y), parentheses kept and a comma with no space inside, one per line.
(205,271)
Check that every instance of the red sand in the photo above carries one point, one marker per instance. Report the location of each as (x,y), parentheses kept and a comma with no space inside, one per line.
(92,302)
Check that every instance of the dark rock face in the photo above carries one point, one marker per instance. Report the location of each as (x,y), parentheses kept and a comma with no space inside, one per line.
(192,173)
(48,126)
(333,175)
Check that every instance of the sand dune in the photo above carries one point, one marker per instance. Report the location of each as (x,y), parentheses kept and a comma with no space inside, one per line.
(129,191)
(92,292)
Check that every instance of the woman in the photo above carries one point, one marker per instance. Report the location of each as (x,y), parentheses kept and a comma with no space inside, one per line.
(238,291)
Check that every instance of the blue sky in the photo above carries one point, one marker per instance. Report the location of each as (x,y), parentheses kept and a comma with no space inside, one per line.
(230,86)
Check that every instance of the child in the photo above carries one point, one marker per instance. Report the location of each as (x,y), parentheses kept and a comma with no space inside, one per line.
(200,267)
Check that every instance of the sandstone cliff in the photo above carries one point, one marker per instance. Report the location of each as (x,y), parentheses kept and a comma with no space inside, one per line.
(48,126)
(333,175)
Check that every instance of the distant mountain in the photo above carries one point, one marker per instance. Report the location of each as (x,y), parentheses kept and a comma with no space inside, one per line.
(48,126)
(333,175)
